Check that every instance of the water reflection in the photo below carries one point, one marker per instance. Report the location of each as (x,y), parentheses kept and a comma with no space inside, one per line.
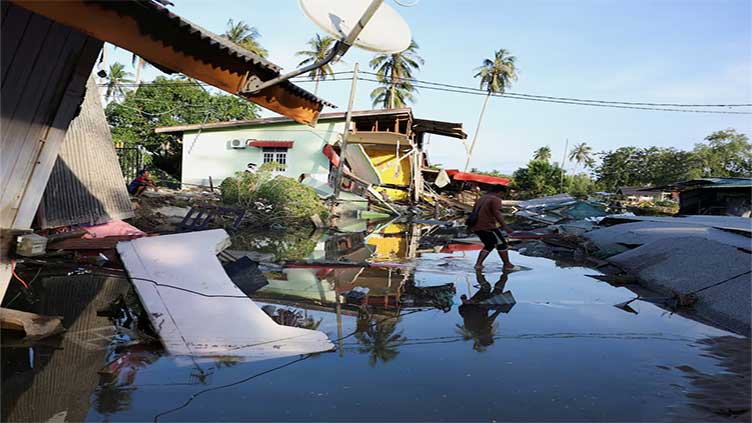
(571,355)
(378,337)
(479,322)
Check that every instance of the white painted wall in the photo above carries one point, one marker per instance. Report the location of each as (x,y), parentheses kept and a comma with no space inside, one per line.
(211,155)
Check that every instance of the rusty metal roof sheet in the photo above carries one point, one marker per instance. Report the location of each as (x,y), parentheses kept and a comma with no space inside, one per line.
(174,44)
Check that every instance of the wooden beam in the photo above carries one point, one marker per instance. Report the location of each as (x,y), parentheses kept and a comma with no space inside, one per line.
(34,325)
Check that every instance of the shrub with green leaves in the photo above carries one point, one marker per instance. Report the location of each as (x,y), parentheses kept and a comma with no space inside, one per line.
(272,199)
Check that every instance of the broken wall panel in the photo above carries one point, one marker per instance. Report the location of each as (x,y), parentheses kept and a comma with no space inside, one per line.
(195,307)
(44,70)
(86,185)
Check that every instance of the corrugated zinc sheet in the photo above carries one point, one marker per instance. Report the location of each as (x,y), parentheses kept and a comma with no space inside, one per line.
(86,185)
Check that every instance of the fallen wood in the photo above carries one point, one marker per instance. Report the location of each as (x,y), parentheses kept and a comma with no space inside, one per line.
(107,243)
(34,325)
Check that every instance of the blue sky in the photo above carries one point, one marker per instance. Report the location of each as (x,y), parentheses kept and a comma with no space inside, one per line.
(688,51)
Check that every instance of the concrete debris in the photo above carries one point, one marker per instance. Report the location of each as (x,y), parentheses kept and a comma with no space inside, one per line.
(729,223)
(619,238)
(680,266)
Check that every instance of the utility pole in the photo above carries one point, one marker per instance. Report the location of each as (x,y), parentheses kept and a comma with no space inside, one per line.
(343,148)
(475,136)
(563,157)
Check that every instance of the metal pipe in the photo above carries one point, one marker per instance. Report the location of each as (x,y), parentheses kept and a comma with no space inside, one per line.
(255,85)
(348,119)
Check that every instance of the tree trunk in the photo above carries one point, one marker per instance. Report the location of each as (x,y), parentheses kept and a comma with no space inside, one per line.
(391,90)
(139,67)
(475,136)
(316,87)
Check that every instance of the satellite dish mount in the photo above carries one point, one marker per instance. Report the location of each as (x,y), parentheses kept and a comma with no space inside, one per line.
(334,26)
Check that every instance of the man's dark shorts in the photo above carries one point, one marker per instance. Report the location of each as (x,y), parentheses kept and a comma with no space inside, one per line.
(493,240)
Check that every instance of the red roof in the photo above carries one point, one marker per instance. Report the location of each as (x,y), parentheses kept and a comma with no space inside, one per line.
(262,143)
(474,177)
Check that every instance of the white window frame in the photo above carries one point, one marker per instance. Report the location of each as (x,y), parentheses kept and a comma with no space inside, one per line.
(276,154)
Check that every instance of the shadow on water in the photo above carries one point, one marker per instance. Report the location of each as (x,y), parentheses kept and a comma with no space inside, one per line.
(420,335)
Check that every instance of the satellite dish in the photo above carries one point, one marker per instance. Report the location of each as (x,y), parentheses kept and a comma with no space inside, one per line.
(385,32)
(368,24)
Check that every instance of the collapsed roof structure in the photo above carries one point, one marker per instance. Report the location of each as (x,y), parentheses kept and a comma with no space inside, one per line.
(49,50)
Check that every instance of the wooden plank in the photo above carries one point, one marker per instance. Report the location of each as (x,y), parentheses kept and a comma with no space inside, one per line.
(39,83)
(202,312)
(22,64)
(36,326)
(24,137)
(14,24)
(66,111)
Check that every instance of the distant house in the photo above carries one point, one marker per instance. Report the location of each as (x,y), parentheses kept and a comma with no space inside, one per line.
(641,195)
(385,148)
(715,196)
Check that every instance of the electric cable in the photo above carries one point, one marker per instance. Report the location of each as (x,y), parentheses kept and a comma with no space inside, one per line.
(13,271)
(400,78)
(484,93)
(290,363)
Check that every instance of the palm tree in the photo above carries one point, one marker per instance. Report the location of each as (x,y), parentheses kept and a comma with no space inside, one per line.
(542,154)
(319,46)
(496,75)
(394,72)
(139,64)
(116,76)
(580,153)
(244,36)
(380,341)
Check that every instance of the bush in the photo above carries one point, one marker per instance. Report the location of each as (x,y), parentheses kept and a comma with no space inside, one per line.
(271,199)
(297,200)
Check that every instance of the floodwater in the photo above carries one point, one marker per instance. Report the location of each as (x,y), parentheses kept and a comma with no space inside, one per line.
(552,347)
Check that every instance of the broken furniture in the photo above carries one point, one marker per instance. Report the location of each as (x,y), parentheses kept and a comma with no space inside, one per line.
(200,216)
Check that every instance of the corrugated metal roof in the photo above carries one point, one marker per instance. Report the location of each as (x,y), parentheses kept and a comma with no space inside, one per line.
(86,185)
(707,183)
(183,35)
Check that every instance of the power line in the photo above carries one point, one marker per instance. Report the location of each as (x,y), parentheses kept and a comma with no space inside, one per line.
(614,106)
(628,103)
(436,86)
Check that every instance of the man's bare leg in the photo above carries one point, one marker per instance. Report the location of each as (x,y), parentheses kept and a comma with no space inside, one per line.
(505,258)
(481,258)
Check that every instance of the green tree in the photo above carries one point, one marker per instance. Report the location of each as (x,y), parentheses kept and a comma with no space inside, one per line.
(539,178)
(169,102)
(496,75)
(318,47)
(394,72)
(581,153)
(244,36)
(117,76)
(542,154)
(726,154)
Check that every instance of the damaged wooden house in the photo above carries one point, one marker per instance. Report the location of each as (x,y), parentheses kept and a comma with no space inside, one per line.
(385,149)
(49,51)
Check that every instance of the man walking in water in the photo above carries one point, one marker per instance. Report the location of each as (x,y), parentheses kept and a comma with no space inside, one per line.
(488,226)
